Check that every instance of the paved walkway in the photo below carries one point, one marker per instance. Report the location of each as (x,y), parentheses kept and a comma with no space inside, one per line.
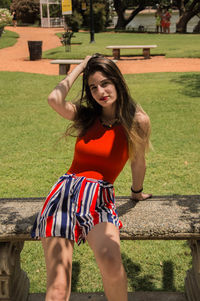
(135,296)
(16,58)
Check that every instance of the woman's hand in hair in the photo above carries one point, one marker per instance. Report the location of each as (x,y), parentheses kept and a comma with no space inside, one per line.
(85,61)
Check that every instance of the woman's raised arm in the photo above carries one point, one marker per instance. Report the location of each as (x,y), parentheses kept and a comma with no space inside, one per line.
(56,98)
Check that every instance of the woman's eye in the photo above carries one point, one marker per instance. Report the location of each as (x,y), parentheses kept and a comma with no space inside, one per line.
(93,88)
(104,84)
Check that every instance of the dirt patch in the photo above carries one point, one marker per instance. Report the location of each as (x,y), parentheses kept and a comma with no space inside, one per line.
(16,58)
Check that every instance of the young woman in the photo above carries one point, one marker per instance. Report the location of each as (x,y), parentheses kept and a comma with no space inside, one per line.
(14,18)
(111,129)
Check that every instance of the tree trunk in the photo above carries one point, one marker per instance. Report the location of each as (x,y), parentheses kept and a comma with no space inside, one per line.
(197,28)
(120,9)
(121,22)
(1,31)
(190,12)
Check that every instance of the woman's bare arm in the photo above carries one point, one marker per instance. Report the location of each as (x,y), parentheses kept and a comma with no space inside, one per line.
(57,97)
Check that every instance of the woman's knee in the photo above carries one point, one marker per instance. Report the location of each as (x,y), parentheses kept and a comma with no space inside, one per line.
(110,262)
(57,292)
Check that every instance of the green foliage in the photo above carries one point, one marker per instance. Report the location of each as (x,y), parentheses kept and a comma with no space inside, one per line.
(99,17)
(55,10)
(74,21)
(5,17)
(27,10)
(5,4)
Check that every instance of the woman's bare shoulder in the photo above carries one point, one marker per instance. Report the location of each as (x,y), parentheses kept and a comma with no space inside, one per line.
(142,119)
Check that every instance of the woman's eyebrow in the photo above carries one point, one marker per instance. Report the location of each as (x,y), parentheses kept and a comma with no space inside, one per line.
(91,85)
(102,81)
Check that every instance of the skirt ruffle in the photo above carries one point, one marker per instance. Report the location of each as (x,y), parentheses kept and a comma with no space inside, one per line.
(74,206)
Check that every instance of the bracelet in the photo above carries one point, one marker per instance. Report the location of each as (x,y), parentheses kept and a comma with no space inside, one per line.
(136,191)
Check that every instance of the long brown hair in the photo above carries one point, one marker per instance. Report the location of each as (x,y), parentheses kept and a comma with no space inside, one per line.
(88,110)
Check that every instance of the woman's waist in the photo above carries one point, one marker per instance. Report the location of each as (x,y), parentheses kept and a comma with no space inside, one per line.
(93,174)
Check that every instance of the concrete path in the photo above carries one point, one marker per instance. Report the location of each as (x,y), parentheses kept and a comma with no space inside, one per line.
(136,296)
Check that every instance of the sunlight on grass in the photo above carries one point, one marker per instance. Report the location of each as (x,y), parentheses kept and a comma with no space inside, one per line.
(173,45)
(8,39)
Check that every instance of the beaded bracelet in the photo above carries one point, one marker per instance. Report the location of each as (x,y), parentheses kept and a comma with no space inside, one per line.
(136,191)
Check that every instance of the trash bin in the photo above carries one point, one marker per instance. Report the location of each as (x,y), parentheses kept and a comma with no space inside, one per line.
(35,50)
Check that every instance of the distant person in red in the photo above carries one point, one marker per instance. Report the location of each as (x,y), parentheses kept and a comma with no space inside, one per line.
(166,21)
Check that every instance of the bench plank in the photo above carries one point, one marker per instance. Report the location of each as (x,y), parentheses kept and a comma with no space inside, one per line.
(162,217)
(116,49)
(64,65)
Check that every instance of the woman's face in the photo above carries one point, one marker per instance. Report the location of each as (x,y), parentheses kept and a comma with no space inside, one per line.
(102,89)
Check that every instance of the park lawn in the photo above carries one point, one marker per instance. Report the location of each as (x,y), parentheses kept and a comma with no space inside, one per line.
(33,156)
(8,39)
(170,45)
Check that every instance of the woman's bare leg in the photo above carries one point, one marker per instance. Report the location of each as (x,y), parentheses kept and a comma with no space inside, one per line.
(105,242)
(58,256)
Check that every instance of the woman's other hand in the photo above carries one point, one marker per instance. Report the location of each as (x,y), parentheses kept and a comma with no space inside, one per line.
(140,196)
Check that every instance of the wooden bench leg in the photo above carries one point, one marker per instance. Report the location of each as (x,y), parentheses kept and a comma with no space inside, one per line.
(146,53)
(116,54)
(192,281)
(14,283)
(63,69)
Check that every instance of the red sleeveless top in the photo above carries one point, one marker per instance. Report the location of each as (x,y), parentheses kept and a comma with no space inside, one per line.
(101,153)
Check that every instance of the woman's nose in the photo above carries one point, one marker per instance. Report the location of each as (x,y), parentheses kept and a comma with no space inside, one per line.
(100,89)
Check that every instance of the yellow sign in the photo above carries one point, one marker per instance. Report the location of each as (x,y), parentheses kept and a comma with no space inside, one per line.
(66,7)
(83,6)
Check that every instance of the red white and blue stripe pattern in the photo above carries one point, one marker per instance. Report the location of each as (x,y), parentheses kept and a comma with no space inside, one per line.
(74,206)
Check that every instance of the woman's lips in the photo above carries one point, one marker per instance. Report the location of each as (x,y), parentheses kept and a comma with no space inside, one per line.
(104,98)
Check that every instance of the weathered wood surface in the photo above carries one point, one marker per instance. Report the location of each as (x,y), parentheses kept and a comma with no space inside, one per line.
(162,217)
(130,46)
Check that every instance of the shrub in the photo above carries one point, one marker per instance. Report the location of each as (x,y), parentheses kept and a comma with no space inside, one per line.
(75,21)
(99,17)
(28,11)
(5,4)
(5,19)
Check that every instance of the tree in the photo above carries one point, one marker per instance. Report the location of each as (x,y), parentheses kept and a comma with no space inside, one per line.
(134,5)
(28,11)
(5,4)
(197,28)
(188,9)
(120,8)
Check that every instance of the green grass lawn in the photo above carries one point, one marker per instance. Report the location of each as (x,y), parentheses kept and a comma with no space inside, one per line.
(8,39)
(172,45)
(33,157)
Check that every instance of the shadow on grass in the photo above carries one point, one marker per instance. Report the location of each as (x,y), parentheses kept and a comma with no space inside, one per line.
(146,283)
(168,276)
(190,84)
(75,275)
(136,281)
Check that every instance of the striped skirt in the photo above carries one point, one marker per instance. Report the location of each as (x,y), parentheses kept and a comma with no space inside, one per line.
(74,206)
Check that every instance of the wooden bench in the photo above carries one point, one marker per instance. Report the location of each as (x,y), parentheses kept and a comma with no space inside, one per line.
(116,49)
(64,65)
(160,218)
